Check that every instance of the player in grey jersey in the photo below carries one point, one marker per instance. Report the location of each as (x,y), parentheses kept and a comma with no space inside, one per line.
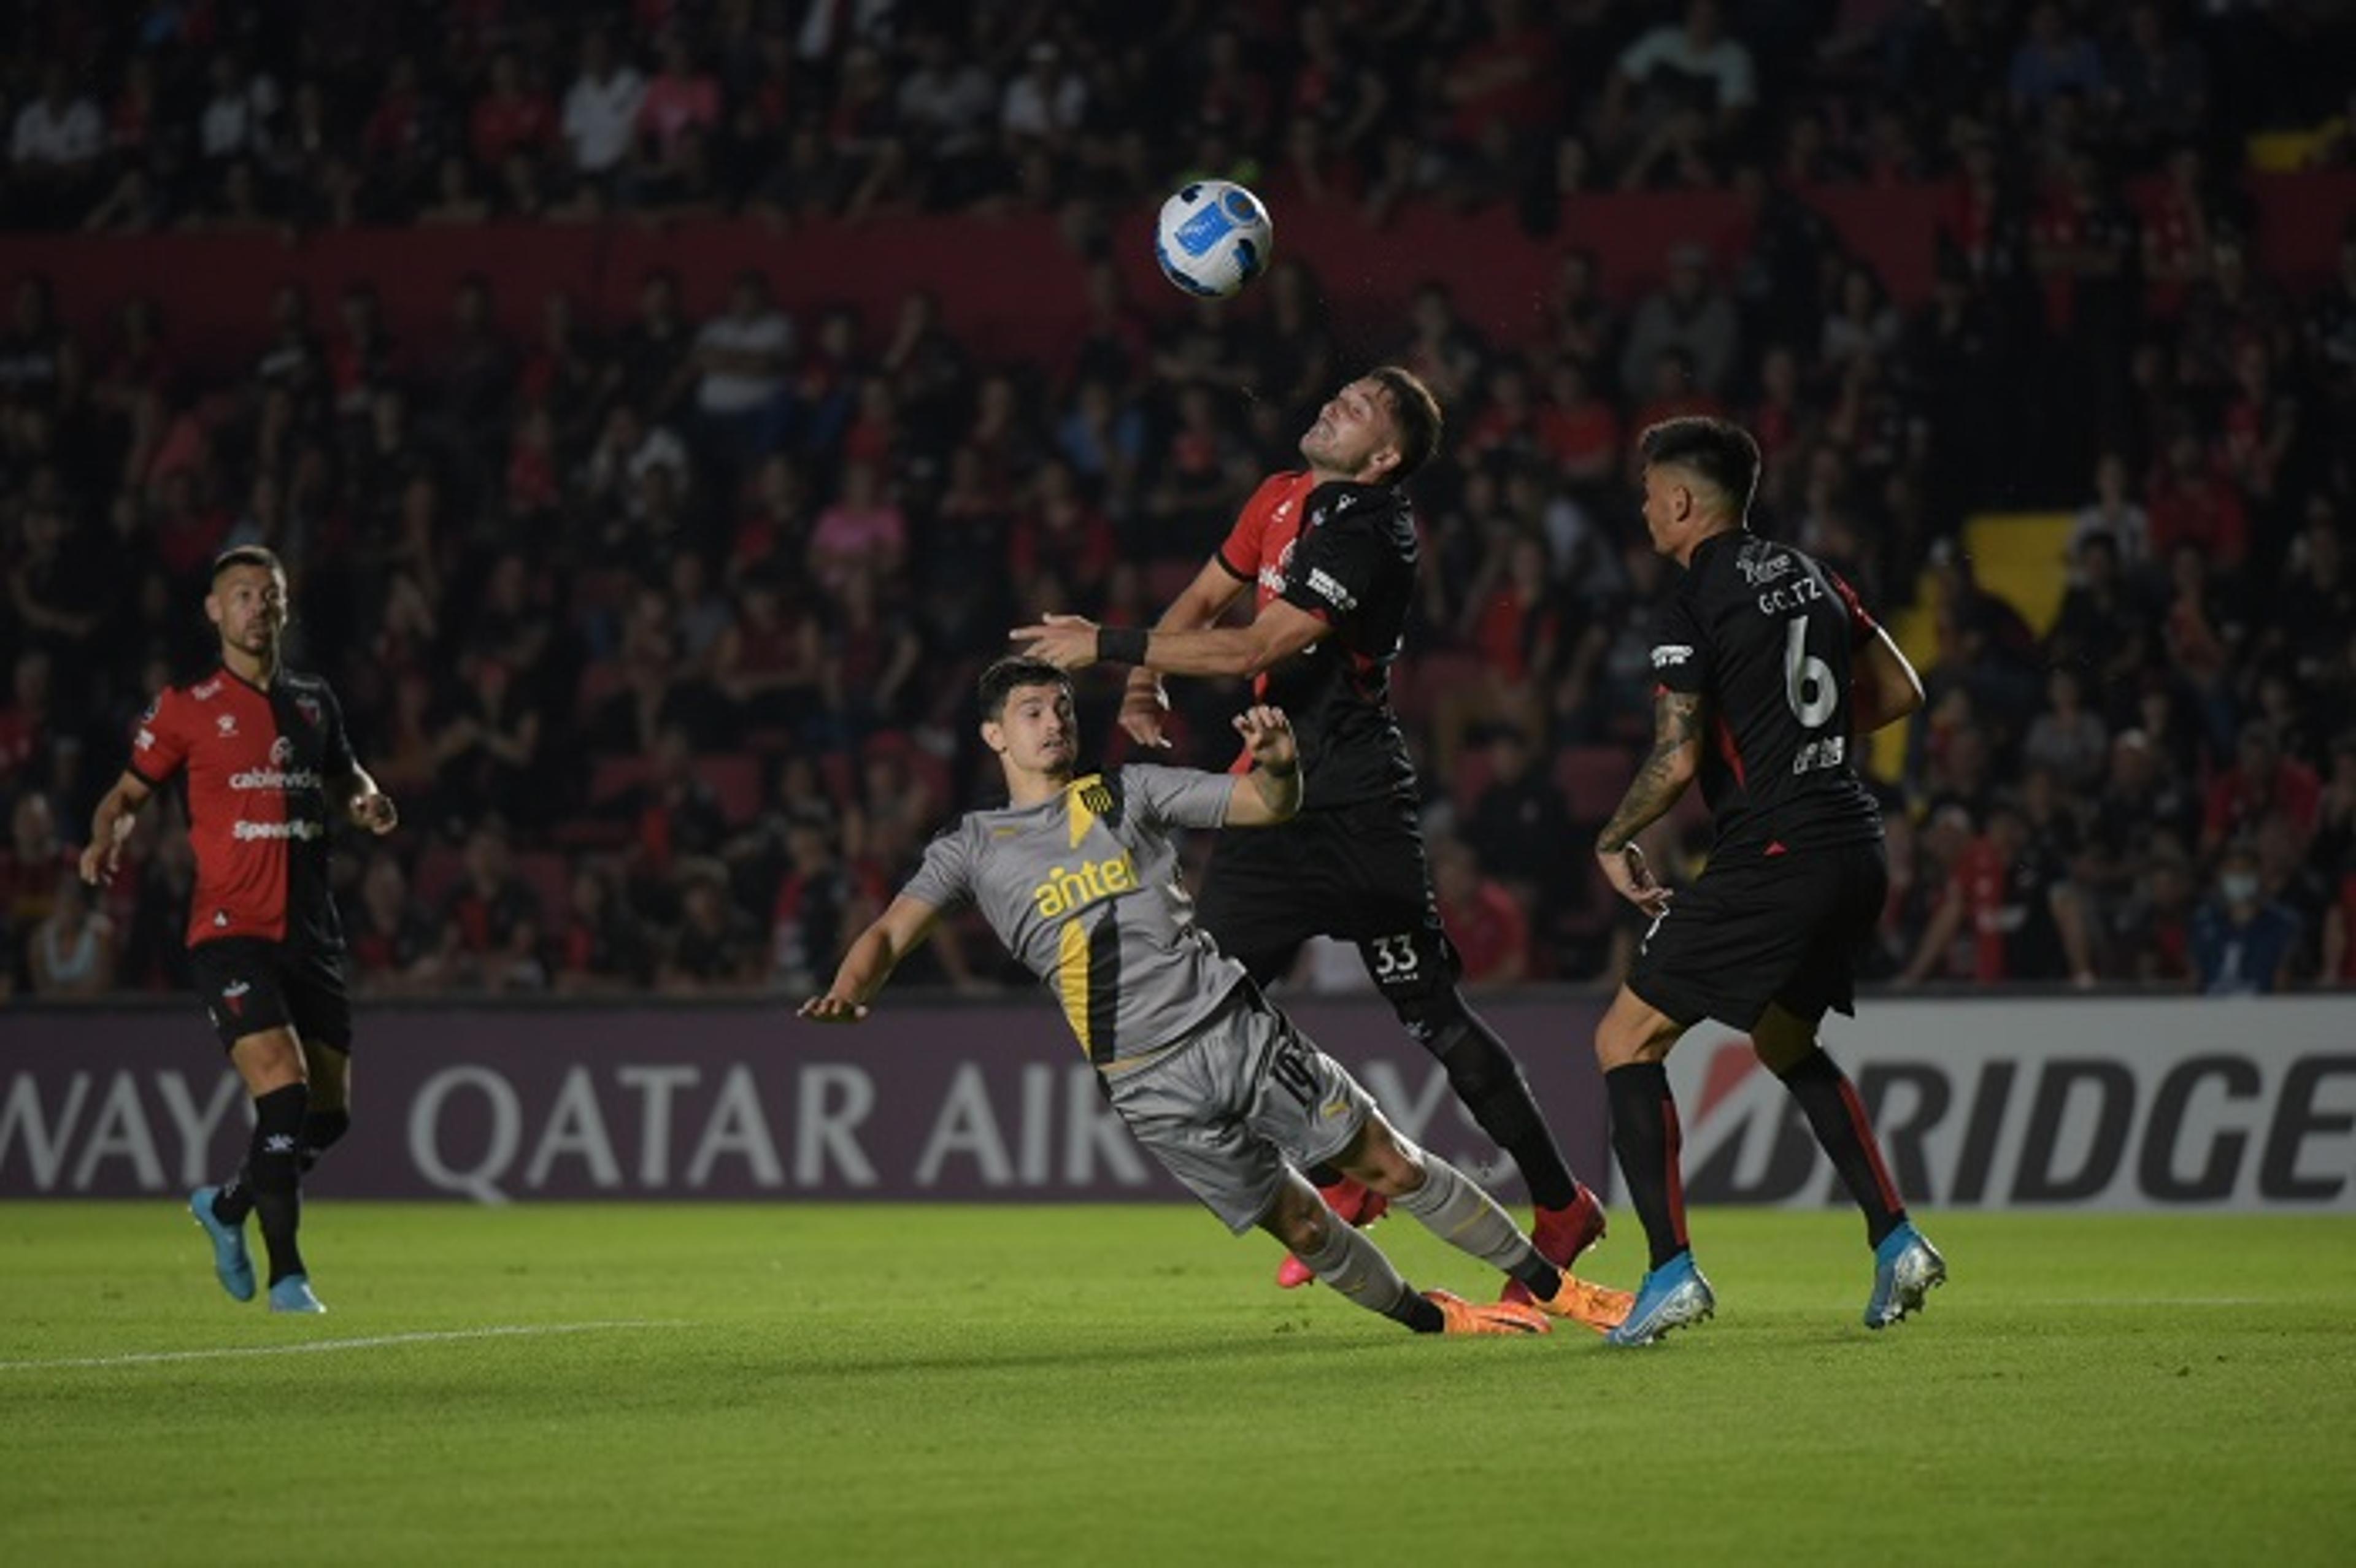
(1079,876)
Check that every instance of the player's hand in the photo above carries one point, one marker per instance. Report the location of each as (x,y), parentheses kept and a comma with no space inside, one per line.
(1144,704)
(832,1009)
(1268,736)
(375,811)
(1631,878)
(1067,642)
(101,861)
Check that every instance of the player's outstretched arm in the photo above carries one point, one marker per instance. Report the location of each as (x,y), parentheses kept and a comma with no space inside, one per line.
(1883,688)
(110,825)
(1200,603)
(1675,763)
(1075,642)
(899,931)
(1270,792)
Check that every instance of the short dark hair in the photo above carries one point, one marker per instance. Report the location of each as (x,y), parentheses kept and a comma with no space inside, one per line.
(248,555)
(1718,449)
(1416,414)
(1009,675)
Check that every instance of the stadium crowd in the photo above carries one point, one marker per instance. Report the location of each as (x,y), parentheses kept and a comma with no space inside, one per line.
(663,630)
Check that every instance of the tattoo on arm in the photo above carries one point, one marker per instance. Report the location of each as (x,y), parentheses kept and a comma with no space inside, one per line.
(1677,731)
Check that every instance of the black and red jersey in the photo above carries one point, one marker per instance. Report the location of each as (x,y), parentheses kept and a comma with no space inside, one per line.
(1764,634)
(1346,553)
(260,766)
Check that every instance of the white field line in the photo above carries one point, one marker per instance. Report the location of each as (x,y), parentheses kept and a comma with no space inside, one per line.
(315,1347)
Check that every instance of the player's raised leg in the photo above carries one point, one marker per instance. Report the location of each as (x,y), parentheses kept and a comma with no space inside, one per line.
(1631,1045)
(1906,1265)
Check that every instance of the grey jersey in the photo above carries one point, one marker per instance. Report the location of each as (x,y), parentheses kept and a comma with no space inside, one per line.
(1085,891)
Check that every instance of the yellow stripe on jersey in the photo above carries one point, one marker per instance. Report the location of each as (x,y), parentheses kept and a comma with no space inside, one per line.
(1072,977)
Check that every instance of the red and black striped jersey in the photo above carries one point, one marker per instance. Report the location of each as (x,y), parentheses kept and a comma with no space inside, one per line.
(1345,553)
(260,766)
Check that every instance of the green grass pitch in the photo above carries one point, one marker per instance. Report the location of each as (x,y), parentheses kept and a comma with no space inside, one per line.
(818,1384)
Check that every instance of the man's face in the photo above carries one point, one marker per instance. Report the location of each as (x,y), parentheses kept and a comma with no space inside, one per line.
(249,604)
(1037,733)
(1355,431)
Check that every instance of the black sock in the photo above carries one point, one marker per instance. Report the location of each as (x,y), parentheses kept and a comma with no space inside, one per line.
(1541,1278)
(320,1131)
(1420,1313)
(1645,1138)
(275,1174)
(1838,1117)
(1489,1081)
(234,1200)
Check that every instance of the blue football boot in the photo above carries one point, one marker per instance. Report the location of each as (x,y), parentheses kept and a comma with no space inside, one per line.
(1672,1295)
(293,1293)
(1906,1267)
(232,1264)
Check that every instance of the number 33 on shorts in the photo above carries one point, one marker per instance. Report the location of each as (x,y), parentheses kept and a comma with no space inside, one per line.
(1394,957)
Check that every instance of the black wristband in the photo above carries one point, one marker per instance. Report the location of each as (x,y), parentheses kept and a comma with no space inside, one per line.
(1120,645)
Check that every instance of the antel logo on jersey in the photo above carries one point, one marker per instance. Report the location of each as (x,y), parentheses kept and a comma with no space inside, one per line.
(2215,1127)
(274,778)
(247,832)
(1670,653)
(1066,891)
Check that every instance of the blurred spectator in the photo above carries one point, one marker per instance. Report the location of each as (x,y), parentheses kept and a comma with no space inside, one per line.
(2243,940)
(1491,933)
(601,112)
(2262,784)
(1688,313)
(70,951)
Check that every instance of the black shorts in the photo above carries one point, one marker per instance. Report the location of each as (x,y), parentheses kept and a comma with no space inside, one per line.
(1784,929)
(1357,873)
(250,984)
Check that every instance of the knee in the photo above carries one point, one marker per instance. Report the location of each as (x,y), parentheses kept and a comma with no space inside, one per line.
(1385,1161)
(1620,1042)
(1300,1219)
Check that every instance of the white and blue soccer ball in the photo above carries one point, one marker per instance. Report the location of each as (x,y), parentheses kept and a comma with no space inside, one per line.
(1214,238)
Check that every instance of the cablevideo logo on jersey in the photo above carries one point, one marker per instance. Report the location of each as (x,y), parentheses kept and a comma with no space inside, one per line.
(274,778)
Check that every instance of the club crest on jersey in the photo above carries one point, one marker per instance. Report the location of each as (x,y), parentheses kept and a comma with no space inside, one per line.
(227,723)
(233,997)
(308,707)
(281,751)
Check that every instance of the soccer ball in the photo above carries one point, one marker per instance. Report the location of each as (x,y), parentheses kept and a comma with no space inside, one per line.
(1214,238)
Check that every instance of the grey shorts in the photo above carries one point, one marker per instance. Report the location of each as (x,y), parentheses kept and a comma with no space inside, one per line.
(1227,1108)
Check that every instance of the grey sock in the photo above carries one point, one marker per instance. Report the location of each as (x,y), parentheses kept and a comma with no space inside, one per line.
(1351,1265)
(1452,1206)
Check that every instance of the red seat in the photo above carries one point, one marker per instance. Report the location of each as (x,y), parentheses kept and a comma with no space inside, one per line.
(1593,779)
(610,778)
(735,780)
